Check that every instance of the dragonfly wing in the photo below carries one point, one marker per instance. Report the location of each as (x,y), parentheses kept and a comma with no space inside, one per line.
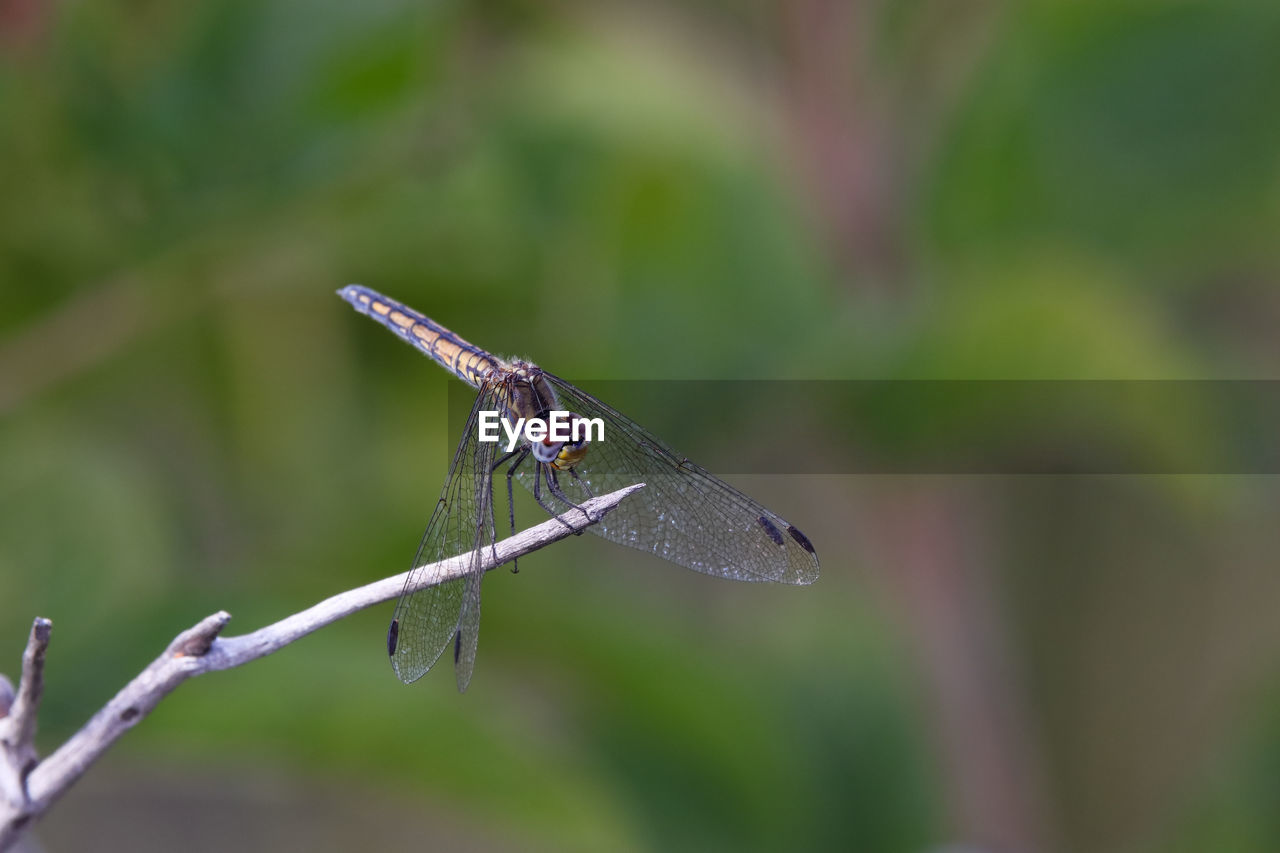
(468,633)
(430,619)
(685,514)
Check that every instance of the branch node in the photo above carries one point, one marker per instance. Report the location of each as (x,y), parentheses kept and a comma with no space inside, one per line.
(196,641)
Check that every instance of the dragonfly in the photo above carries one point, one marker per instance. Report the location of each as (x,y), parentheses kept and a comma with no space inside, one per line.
(685,514)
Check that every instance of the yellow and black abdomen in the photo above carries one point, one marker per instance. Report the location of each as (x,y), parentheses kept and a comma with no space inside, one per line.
(466,361)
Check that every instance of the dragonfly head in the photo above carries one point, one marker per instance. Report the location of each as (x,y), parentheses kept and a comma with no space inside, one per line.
(563,455)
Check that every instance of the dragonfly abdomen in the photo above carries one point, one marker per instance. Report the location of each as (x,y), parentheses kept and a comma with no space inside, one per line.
(464,360)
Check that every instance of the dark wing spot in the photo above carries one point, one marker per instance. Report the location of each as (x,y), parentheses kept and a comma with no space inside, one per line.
(801,538)
(393,636)
(771,530)
(457,646)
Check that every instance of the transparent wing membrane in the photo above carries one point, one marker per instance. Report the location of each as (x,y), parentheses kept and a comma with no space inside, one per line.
(429,620)
(684,514)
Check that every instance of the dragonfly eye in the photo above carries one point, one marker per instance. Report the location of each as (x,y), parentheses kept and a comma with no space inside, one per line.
(580,431)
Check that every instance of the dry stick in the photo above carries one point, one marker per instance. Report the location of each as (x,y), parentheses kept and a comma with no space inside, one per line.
(18,723)
(199,650)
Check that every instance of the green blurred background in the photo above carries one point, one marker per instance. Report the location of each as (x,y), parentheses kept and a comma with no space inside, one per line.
(191,420)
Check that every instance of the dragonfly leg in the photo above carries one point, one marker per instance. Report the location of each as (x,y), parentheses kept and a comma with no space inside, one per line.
(511,503)
(573,472)
(537,496)
(487,511)
(553,483)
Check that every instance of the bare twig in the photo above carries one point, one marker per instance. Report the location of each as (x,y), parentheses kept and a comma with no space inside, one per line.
(22,714)
(199,650)
(18,718)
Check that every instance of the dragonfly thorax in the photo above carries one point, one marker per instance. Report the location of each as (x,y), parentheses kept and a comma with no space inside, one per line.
(525,391)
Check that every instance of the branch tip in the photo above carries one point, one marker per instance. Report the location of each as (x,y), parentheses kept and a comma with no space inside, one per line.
(37,645)
(198,639)
(26,701)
